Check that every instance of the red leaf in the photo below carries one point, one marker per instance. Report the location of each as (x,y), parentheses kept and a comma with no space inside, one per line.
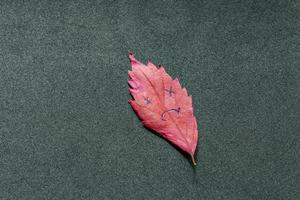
(163,105)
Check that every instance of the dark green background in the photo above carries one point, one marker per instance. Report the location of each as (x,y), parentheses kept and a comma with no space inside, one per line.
(67,131)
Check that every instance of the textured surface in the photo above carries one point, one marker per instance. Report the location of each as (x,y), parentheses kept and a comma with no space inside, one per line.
(67,131)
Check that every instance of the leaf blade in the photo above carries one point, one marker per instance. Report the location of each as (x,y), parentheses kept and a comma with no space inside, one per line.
(163,105)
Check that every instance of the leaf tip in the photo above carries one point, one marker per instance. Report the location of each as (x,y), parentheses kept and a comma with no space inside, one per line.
(130,53)
(132,58)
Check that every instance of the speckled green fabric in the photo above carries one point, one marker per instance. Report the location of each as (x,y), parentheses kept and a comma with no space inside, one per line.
(68,132)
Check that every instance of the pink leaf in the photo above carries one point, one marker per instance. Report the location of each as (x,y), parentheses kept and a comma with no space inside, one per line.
(163,105)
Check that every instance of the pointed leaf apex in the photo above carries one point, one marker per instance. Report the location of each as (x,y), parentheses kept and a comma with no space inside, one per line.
(132,58)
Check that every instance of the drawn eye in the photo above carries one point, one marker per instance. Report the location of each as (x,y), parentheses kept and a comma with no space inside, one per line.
(170,91)
(147,100)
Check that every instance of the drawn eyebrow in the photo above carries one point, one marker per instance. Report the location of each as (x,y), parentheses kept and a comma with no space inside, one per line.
(162,116)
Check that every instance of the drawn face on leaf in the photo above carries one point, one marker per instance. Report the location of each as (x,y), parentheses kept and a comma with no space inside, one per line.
(163,105)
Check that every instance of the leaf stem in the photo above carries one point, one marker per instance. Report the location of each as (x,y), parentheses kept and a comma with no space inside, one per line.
(193,159)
